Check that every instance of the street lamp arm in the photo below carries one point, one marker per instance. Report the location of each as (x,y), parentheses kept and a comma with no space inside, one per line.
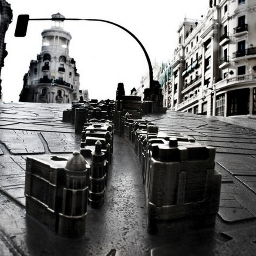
(23,19)
(138,41)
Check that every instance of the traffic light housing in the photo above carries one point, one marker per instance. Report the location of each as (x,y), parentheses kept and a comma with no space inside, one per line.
(22,25)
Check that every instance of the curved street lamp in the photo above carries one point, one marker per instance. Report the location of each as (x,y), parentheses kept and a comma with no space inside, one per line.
(22,24)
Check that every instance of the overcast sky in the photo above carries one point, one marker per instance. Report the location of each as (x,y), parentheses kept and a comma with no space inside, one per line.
(105,55)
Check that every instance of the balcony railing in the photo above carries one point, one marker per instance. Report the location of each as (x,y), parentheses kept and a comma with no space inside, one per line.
(239,78)
(45,80)
(186,85)
(224,36)
(241,28)
(62,82)
(45,68)
(224,60)
(245,52)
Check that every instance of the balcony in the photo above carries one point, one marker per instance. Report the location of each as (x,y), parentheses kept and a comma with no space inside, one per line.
(248,53)
(45,68)
(223,62)
(45,80)
(188,86)
(240,80)
(241,30)
(61,69)
(188,102)
(62,82)
(224,39)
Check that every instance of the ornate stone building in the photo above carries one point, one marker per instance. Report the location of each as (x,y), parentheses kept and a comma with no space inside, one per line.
(53,77)
(5,20)
(215,62)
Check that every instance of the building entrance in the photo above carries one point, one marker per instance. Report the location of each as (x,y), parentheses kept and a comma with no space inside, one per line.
(238,102)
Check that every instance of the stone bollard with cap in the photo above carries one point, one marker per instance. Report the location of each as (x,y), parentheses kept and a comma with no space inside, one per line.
(98,177)
(72,216)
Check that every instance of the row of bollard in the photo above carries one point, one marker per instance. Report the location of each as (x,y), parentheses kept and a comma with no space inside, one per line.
(82,112)
(181,186)
(98,133)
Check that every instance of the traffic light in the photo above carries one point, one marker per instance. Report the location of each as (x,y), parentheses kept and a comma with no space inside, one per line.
(22,25)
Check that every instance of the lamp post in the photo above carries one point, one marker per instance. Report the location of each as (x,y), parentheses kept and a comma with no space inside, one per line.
(22,23)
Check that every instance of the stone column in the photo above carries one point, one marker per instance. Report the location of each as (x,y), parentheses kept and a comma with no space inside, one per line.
(214,104)
(226,104)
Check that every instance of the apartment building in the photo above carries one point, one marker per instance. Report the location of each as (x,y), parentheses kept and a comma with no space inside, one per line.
(5,20)
(53,77)
(214,65)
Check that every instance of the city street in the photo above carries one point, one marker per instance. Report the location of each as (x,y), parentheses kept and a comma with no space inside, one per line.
(30,129)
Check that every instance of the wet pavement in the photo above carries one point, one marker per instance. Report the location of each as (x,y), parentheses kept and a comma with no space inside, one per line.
(120,225)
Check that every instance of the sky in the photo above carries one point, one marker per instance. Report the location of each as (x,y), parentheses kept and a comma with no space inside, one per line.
(105,54)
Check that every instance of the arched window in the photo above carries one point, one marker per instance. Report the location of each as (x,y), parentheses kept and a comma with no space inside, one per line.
(47,56)
(62,59)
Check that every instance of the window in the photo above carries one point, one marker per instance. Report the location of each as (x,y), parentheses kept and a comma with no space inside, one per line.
(220,105)
(47,57)
(59,93)
(241,21)
(241,48)
(35,71)
(208,63)
(225,8)
(225,53)
(196,38)
(191,44)
(44,91)
(241,1)
(241,70)
(225,30)
(187,49)
(207,44)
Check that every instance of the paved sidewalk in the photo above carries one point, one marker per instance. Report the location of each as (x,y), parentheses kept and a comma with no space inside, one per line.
(29,129)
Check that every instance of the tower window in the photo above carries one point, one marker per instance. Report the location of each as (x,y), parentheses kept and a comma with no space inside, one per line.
(62,59)
(47,57)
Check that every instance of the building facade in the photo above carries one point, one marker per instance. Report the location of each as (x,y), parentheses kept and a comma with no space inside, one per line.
(5,20)
(214,65)
(163,74)
(165,80)
(53,77)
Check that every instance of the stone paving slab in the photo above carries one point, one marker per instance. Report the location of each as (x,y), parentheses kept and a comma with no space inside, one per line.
(62,143)
(21,142)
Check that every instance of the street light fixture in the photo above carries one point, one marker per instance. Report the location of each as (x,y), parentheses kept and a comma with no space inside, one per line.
(22,24)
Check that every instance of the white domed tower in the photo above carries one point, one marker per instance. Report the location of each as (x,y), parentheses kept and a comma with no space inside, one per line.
(53,77)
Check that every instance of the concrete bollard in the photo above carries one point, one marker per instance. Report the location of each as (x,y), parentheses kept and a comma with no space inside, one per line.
(182,188)
(97,180)
(73,213)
